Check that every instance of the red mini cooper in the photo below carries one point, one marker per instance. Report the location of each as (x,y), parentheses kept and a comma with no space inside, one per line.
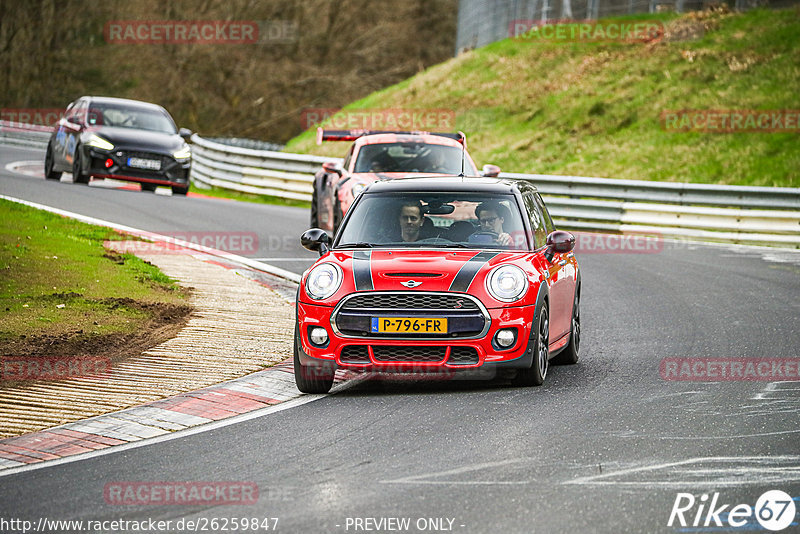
(439,274)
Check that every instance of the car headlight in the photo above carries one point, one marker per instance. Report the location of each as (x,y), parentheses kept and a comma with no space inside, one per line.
(98,142)
(357,189)
(507,283)
(323,281)
(183,153)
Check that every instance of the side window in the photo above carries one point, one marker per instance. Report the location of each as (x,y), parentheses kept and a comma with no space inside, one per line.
(346,165)
(548,221)
(79,110)
(71,109)
(537,220)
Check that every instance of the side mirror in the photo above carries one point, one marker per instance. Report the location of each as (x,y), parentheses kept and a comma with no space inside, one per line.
(490,171)
(559,241)
(186,133)
(75,120)
(332,167)
(316,240)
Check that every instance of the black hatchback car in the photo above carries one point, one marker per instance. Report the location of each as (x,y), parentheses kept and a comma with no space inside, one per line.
(122,139)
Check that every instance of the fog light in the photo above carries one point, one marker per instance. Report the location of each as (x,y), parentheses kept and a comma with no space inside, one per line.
(318,335)
(505,338)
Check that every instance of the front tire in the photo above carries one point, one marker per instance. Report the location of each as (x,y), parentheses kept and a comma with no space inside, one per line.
(78,175)
(310,379)
(179,190)
(49,173)
(536,373)
(148,187)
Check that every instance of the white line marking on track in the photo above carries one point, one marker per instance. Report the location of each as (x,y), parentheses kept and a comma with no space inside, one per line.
(167,437)
(420,479)
(762,470)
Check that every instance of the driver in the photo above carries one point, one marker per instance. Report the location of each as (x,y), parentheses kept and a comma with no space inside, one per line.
(434,161)
(490,218)
(410,220)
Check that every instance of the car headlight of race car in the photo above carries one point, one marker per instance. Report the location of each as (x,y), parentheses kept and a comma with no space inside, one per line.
(357,189)
(98,142)
(323,281)
(183,153)
(507,283)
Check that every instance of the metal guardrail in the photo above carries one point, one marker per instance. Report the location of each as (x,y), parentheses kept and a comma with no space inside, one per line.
(21,134)
(724,213)
(263,172)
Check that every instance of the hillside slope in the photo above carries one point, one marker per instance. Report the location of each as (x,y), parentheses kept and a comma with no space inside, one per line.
(594,109)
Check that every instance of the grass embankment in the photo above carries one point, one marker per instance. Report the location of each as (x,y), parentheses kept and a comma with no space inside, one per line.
(594,109)
(63,294)
(247,197)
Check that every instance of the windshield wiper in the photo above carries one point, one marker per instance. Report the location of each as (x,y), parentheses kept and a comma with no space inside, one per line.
(362,244)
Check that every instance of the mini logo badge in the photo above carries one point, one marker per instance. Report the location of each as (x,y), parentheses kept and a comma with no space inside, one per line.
(459,303)
(411,284)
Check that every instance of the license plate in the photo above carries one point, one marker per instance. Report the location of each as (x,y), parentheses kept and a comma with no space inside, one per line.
(141,163)
(409,325)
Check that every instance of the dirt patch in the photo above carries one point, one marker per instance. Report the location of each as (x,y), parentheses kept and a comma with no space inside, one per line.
(165,321)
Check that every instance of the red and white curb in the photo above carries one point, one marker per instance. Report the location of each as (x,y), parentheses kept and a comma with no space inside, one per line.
(229,402)
(234,398)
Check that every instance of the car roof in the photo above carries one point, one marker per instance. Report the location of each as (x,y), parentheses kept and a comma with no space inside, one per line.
(434,184)
(423,138)
(123,101)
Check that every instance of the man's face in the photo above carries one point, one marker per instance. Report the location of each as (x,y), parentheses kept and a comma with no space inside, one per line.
(490,221)
(410,222)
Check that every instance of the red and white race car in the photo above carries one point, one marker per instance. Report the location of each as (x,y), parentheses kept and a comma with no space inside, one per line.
(384,155)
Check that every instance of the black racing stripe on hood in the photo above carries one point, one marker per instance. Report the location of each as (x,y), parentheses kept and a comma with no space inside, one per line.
(466,274)
(362,270)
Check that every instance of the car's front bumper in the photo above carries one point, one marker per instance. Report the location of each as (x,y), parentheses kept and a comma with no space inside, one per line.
(402,354)
(172,172)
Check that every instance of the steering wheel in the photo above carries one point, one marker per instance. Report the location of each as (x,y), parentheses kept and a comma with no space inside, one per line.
(494,236)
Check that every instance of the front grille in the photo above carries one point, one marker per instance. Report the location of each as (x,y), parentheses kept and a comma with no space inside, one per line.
(356,315)
(144,155)
(411,300)
(408,353)
(463,356)
(355,354)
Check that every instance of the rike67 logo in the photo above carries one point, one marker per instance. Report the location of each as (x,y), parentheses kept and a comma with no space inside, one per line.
(774,510)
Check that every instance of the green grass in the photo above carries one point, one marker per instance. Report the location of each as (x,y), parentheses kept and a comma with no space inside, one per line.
(594,109)
(247,197)
(57,277)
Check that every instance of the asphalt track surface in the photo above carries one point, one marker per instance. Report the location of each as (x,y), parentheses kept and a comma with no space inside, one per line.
(604,446)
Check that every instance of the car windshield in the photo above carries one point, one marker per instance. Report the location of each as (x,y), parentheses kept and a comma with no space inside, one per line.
(438,220)
(412,157)
(130,117)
